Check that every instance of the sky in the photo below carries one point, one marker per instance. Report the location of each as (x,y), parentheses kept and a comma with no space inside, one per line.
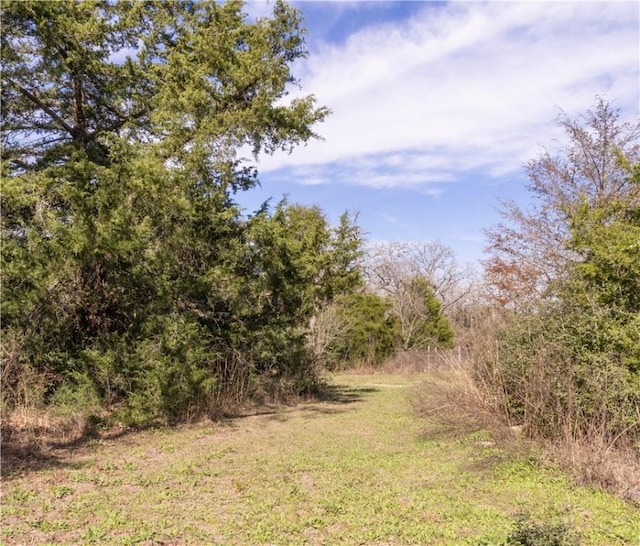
(437,107)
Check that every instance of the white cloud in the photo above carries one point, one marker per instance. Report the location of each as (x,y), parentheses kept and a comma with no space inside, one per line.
(256,9)
(460,87)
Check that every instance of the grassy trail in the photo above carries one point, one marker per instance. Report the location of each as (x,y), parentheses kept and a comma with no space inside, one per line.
(354,469)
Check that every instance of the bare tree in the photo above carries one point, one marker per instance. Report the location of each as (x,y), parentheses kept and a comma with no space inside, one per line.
(325,327)
(530,248)
(406,271)
(389,265)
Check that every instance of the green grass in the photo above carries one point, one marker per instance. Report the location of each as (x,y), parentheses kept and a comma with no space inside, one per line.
(355,469)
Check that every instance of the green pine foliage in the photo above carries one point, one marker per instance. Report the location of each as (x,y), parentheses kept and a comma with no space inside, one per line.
(370,332)
(127,268)
(432,328)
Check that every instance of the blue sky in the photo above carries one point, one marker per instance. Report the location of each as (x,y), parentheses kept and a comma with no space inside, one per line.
(437,106)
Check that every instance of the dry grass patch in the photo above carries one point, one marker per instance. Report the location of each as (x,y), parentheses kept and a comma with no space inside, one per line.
(450,400)
(594,461)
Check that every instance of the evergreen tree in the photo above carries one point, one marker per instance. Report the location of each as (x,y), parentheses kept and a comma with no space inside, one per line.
(126,263)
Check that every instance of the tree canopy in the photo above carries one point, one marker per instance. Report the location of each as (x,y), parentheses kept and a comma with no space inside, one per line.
(128,269)
(532,248)
(194,78)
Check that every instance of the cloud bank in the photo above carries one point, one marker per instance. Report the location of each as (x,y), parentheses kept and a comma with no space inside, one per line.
(459,88)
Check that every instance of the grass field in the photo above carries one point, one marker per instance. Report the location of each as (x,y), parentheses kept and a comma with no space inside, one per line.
(356,468)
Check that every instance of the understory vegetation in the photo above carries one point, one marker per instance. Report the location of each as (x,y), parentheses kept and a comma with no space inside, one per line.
(556,351)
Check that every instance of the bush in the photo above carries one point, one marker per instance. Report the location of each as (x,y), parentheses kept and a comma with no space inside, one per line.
(76,396)
(173,374)
(369,333)
(560,376)
(581,406)
(528,533)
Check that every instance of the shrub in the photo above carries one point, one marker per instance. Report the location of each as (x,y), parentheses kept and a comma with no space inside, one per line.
(369,334)
(528,533)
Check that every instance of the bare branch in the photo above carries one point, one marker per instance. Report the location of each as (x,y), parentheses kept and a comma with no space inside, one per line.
(33,97)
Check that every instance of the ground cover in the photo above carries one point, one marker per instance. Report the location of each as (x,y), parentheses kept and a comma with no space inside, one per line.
(354,468)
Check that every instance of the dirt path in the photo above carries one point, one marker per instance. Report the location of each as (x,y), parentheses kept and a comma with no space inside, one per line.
(354,469)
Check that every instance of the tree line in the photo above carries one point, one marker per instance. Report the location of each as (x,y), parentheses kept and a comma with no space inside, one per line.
(132,282)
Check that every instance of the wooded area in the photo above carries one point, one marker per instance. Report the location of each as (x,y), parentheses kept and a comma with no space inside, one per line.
(135,290)
(567,274)
(133,286)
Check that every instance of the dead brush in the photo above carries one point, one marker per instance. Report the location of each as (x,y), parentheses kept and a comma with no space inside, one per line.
(24,419)
(30,433)
(412,361)
(29,426)
(594,458)
(471,393)
(451,398)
